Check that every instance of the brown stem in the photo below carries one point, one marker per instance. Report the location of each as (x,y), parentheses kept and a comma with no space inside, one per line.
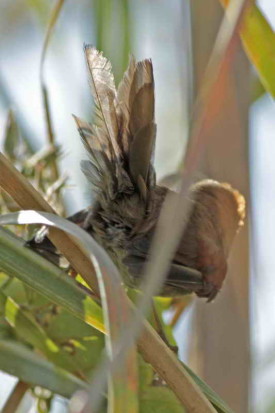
(15,397)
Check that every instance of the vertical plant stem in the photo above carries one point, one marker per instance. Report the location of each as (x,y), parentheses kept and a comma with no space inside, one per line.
(7,100)
(114,17)
(103,21)
(46,104)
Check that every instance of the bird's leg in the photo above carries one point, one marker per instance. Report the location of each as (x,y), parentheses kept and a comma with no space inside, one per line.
(159,329)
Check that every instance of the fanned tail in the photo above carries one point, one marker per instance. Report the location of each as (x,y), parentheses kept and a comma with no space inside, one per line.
(121,143)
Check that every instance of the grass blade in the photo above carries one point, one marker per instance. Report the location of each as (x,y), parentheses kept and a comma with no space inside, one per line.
(18,360)
(47,279)
(28,330)
(219,404)
(259,43)
(11,136)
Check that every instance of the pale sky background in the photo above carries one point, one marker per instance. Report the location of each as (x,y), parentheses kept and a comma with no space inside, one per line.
(65,66)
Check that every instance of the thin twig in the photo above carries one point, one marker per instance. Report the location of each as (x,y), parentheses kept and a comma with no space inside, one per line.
(15,397)
(180,306)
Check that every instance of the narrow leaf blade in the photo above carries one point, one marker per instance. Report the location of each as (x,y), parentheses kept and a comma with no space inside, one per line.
(259,43)
(18,360)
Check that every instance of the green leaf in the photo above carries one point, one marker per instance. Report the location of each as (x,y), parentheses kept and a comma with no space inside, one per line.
(155,398)
(83,343)
(111,17)
(45,326)
(18,360)
(162,304)
(39,6)
(146,374)
(259,43)
(31,332)
(257,91)
(159,400)
(47,279)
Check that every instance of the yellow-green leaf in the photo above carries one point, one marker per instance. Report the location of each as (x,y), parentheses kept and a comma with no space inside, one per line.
(259,43)
(47,279)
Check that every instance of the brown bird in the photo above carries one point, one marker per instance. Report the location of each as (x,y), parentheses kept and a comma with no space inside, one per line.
(124,215)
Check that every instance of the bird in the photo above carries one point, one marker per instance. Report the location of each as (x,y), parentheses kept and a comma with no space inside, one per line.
(127,199)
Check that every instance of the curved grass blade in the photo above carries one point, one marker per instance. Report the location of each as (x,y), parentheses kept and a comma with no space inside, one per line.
(18,360)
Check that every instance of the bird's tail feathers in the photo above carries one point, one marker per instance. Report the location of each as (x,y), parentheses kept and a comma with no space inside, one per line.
(121,142)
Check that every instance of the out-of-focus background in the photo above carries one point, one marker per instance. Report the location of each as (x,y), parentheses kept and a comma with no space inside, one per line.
(230,343)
